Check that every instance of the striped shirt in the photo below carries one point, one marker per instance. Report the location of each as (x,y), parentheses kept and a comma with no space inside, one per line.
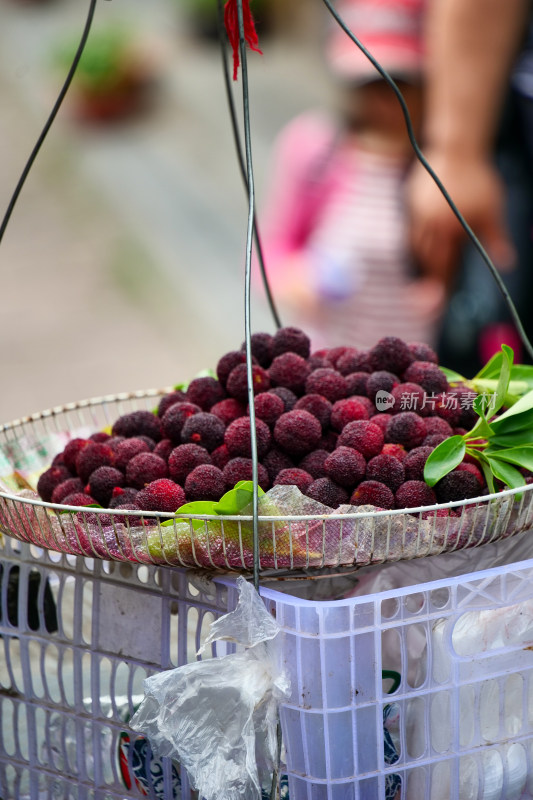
(360,252)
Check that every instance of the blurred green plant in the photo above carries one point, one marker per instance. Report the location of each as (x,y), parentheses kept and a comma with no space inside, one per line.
(115,74)
(106,59)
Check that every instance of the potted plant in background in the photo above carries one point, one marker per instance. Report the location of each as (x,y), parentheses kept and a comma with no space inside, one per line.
(116,77)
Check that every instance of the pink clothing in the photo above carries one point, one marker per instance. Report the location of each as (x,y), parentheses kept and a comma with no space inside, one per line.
(343,209)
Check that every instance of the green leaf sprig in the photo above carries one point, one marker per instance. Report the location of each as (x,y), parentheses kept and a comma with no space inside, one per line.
(230,504)
(501,444)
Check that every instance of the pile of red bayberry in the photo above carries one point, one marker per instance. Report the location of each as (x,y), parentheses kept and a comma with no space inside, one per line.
(341,424)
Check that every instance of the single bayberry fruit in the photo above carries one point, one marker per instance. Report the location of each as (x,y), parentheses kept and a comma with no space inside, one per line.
(327,492)
(138,423)
(175,418)
(373,493)
(294,477)
(205,482)
(289,370)
(364,436)
(160,495)
(145,468)
(297,432)
(204,429)
(102,482)
(205,392)
(237,437)
(386,469)
(241,469)
(345,466)
(184,458)
(168,400)
(93,456)
(262,349)
(327,382)
(237,383)
(406,428)
(391,354)
(412,494)
(292,340)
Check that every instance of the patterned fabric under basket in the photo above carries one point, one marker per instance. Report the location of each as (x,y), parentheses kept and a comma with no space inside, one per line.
(295,533)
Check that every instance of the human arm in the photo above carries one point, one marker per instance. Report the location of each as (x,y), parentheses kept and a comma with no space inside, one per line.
(295,193)
(471,45)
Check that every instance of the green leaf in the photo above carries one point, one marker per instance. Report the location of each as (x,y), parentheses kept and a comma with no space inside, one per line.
(506,473)
(492,367)
(523,372)
(453,377)
(513,425)
(487,472)
(237,498)
(503,380)
(514,439)
(197,508)
(525,404)
(482,428)
(522,456)
(445,457)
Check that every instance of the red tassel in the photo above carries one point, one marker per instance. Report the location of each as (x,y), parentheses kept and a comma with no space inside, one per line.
(231,21)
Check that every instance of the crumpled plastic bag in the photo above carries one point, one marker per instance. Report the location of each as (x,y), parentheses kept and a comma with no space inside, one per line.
(218,717)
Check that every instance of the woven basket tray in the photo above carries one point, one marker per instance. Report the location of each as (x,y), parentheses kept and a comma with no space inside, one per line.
(295,533)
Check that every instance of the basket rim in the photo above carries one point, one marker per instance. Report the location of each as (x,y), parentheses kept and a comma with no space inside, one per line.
(167,516)
(54,411)
(153,392)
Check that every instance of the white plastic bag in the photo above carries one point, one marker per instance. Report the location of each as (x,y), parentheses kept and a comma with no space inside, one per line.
(218,717)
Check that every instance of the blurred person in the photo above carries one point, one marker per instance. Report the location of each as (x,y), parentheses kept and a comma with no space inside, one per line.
(476,133)
(335,230)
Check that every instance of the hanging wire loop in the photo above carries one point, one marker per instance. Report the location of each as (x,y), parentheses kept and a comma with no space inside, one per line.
(422,159)
(50,120)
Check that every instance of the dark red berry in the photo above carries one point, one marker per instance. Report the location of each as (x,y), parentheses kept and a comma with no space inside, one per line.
(364,436)
(240,469)
(413,494)
(205,392)
(289,370)
(294,477)
(51,478)
(102,482)
(205,482)
(169,400)
(345,466)
(160,495)
(325,491)
(373,493)
(138,423)
(291,340)
(386,469)
(204,429)
(184,458)
(175,418)
(327,382)
(237,383)
(297,432)
(145,468)
(93,456)
(238,440)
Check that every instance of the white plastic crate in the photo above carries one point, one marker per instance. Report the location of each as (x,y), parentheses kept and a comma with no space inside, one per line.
(458,718)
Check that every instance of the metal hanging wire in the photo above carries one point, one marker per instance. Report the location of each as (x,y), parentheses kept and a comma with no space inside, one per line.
(247,284)
(49,122)
(240,158)
(421,158)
